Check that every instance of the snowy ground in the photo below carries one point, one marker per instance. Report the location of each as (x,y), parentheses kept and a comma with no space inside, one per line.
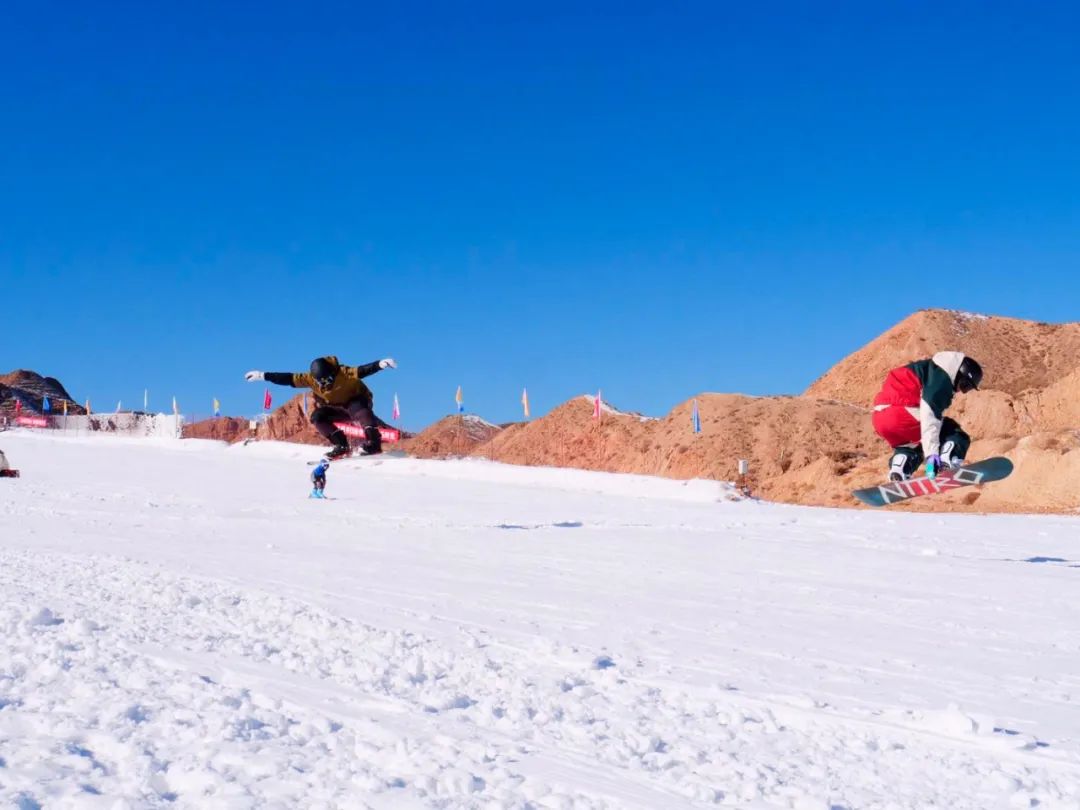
(183,628)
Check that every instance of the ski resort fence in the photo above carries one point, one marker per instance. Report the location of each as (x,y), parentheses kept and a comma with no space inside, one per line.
(140,425)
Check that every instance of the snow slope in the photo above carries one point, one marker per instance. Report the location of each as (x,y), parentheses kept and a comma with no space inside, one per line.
(183,628)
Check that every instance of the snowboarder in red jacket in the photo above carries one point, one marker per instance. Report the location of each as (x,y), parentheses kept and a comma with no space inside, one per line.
(909,413)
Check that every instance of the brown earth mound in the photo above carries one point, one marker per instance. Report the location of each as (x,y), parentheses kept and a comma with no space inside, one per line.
(1017,356)
(776,435)
(452,436)
(289,423)
(30,389)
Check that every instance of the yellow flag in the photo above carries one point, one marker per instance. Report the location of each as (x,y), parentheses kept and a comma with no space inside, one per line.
(65,407)
(525,401)
(217,407)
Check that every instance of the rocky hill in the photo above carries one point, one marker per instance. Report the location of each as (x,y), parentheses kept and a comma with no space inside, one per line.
(452,436)
(30,389)
(1017,356)
(772,433)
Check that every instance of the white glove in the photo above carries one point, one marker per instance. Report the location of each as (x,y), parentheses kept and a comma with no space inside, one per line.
(389,362)
(252,376)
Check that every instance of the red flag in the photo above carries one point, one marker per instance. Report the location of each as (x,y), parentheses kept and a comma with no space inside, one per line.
(266,400)
(18,406)
(596,407)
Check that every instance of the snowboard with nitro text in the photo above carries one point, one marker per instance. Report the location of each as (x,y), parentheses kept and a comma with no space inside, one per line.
(979,472)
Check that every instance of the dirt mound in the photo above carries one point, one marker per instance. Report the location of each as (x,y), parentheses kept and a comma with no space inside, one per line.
(289,423)
(1017,356)
(775,434)
(452,436)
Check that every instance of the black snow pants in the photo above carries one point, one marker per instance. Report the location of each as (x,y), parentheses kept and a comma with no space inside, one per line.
(358,411)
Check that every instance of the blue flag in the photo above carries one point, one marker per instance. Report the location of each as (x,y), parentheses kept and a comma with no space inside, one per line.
(696,418)
(45,406)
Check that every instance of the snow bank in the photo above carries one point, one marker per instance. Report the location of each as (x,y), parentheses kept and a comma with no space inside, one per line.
(184,628)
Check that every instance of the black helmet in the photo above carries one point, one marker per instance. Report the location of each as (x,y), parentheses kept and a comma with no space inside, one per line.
(323,371)
(968,376)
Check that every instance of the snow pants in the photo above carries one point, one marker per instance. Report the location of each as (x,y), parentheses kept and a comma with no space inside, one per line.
(356,410)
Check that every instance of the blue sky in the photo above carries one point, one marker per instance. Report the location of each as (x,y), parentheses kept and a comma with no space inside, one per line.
(653,199)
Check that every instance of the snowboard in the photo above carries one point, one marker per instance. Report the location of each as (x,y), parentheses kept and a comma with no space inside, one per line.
(363,457)
(979,472)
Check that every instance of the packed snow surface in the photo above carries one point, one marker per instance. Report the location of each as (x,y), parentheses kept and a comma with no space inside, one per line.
(184,628)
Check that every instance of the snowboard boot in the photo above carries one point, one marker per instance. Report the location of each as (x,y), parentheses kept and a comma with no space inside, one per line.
(954,444)
(951,456)
(338,451)
(372,441)
(904,463)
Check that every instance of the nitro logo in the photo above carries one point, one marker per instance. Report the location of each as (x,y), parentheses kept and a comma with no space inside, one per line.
(954,479)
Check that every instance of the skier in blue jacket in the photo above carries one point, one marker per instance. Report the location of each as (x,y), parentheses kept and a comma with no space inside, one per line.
(318,479)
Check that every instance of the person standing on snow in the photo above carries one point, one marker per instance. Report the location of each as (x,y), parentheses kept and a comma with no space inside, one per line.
(318,479)
(909,413)
(340,396)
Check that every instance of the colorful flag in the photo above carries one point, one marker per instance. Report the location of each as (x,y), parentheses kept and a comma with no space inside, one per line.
(396,414)
(696,418)
(596,407)
(460,400)
(175,407)
(88,411)
(65,407)
(525,401)
(46,406)
(217,407)
(266,400)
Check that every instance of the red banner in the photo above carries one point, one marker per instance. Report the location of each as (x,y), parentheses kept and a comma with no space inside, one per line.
(266,400)
(389,435)
(32,421)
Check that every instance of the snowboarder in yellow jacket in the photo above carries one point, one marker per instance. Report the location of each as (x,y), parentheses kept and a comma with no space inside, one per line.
(340,396)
